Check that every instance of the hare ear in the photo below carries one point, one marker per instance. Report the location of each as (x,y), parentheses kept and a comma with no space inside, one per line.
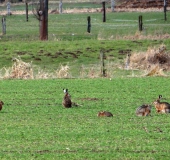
(160,96)
(64,90)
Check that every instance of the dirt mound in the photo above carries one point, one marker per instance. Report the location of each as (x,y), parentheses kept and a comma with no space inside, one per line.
(142,4)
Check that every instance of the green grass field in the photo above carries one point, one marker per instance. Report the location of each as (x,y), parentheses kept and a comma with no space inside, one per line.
(34,125)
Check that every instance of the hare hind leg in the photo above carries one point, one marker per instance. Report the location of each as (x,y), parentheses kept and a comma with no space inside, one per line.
(162,111)
(167,110)
(140,114)
(147,112)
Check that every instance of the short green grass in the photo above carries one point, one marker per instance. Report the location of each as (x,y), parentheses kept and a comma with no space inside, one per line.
(34,125)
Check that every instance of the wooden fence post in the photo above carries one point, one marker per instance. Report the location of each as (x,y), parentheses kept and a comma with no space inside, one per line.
(89,24)
(112,5)
(60,6)
(8,8)
(104,12)
(103,70)
(26,8)
(165,5)
(140,23)
(127,61)
(3,25)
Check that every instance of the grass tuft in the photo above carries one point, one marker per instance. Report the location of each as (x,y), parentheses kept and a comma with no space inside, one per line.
(154,60)
(18,70)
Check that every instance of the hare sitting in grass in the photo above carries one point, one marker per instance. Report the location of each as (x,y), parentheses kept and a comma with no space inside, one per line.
(161,107)
(1,104)
(67,99)
(104,114)
(67,103)
(143,110)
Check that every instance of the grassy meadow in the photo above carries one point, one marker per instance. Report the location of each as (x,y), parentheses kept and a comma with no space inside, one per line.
(70,44)
(34,124)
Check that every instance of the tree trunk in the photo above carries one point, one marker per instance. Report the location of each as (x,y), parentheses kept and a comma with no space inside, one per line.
(43,19)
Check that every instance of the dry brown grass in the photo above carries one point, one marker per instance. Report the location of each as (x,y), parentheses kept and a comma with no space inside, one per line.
(41,74)
(63,72)
(23,70)
(90,10)
(19,70)
(139,36)
(95,71)
(154,61)
(92,71)
(140,9)
(155,70)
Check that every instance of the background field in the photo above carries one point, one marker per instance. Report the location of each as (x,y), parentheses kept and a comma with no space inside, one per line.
(70,44)
(70,27)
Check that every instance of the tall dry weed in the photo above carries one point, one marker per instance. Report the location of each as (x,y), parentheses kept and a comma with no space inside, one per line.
(19,70)
(154,61)
(41,74)
(90,71)
(63,72)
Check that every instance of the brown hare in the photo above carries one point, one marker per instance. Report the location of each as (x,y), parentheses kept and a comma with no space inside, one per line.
(67,99)
(1,104)
(104,114)
(161,107)
(143,110)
